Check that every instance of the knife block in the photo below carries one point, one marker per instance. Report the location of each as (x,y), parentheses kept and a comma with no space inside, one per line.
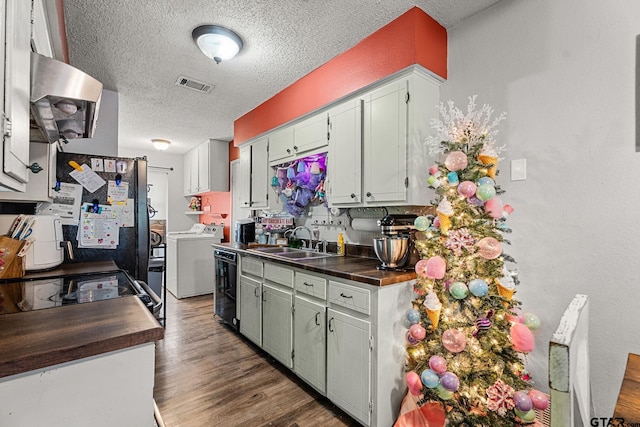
(12,265)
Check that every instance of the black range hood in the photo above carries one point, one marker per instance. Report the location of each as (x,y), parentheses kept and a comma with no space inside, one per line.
(64,100)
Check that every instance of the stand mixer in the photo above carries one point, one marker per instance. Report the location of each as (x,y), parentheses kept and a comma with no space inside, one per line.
(396,249)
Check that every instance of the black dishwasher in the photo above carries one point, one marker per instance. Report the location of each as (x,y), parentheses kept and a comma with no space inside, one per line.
(226,267)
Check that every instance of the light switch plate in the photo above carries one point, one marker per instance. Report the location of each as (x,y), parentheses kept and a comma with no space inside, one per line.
(519,170)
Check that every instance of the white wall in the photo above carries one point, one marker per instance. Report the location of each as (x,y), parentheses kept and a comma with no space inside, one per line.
(564,73)
(177,203)
(105,136)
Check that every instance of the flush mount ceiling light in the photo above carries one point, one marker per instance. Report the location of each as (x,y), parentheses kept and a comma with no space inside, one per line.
(216,42)
(160,144)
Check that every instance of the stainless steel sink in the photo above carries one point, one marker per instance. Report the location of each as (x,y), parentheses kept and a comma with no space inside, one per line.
(292,253)
(269,250)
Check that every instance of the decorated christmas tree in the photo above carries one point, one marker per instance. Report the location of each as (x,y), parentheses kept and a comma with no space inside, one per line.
(467,336)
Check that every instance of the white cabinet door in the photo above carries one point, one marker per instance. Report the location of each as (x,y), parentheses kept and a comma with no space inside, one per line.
(245,176)
(385,144)
(16,89)
(277,323)
(190,176)
(259,173)
(344,175)
(310,134)
(281,144)
(251,309)
(40,185)
(310,341)
(349,364)
(202,161)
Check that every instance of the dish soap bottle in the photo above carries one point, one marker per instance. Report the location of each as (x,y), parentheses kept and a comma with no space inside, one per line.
(340,244)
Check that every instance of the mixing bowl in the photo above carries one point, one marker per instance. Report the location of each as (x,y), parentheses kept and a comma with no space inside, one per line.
(392,251)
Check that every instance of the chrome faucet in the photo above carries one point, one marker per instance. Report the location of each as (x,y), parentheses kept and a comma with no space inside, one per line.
(302,227)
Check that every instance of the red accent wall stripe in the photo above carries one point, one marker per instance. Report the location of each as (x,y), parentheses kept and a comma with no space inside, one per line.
(412,38)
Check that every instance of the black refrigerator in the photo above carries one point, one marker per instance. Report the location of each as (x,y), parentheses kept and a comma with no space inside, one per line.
(132,250)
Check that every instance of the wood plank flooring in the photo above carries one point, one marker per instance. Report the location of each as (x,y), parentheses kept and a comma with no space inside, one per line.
(208,375)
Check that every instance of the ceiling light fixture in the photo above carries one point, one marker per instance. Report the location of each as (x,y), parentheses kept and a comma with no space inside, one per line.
(216,42)
(160,144)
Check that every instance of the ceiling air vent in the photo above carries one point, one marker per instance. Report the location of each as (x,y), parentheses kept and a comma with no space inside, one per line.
(194,84)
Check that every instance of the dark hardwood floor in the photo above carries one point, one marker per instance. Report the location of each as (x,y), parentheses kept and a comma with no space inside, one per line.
(208,375)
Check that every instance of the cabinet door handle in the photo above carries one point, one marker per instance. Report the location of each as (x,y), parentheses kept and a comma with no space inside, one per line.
(353,196)
(288,151)
(264,298)
(345,296)
(368,193)
(307,284)
(246,203)
(295,147)
(255,292)
(317,321)
(330,320)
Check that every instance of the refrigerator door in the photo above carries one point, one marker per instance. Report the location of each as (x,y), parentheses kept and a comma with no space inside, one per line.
(132,250)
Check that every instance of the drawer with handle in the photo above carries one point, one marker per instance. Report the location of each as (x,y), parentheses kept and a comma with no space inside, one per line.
(250,265)
(278,274)
(348,296)
(311,285)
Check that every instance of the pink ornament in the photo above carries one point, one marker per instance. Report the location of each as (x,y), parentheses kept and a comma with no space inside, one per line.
(493,207)
(417,332)
(414,383)
(539,399)
(433,169)
(454,340)
(506,210)
(436,267)
(467,189)
(456,161)
(515,315)
(521,338)
(490,248)
(436,222)
(421,268)
(437,364)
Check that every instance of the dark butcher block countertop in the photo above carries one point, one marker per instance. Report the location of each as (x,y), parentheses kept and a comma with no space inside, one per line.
(36,339)
(354,268)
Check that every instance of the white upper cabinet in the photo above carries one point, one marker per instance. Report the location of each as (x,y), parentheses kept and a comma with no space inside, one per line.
(15,36)
(254,174)
(385,143)
(387,163)
(308,136)
(206,168)
(344,164)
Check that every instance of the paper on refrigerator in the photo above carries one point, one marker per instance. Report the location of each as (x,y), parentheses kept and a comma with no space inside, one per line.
(66,204)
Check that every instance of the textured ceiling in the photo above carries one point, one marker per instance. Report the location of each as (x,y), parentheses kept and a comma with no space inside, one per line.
(139,48)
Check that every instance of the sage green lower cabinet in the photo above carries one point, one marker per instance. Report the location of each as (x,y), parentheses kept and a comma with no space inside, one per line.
(344,338)
(251,309)
(310,341)
(277,323)
(349,364)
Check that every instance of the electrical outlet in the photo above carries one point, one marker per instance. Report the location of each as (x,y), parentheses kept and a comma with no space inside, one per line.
(519,170)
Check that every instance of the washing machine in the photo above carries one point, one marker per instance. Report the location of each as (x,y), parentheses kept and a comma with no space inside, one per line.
(189,263)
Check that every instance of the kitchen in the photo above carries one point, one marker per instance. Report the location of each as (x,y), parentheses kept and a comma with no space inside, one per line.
(533,61)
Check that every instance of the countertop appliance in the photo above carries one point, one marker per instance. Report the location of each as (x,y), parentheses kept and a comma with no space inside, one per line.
(47,250)
(189,271)
(68,288)
(396,249)
(132,250)
(224,300)
(245,230)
